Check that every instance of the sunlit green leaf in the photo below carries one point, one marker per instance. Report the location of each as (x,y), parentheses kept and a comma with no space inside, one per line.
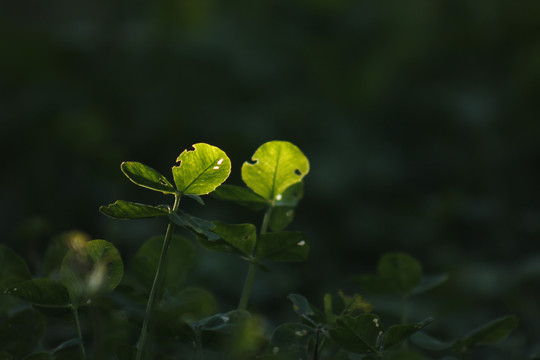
(20,332)
(147,177)
(13,268)
(201,170)
(180,258)
(276,166)
(237,239)
(291,339)
(241,195)
(129,210)
(91,269)
(401,271)
(492,332)
(45,292)
(360,334)
(397,334)
(194,224)
(282,246)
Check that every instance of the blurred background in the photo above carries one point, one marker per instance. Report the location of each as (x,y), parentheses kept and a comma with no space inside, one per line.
(420,119)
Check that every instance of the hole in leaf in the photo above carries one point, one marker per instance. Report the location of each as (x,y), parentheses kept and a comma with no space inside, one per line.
(246,237)
(162,182)
(298,172)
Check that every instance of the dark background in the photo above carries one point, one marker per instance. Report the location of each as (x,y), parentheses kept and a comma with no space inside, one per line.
(420,120)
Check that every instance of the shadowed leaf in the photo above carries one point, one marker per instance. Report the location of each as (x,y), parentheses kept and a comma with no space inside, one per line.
(282,246)
(125,210)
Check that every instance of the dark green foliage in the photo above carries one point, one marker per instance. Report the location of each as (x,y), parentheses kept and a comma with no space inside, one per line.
(157,303)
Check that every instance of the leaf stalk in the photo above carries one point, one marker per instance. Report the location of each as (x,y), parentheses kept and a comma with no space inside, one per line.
(157,280)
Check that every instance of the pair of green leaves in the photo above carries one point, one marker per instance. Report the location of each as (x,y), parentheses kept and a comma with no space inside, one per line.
(88,270)
(200,172)
(273,179)
(242,240)
(401,274)
(354,329)
(490,333)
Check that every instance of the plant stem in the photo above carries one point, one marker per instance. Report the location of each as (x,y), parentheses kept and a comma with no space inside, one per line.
(250,277)
(248,284)
(152,298)
(75,312)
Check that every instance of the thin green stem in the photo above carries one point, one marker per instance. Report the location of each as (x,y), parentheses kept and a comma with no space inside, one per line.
(248,284)
(250,277)
(155,285)
(75,312)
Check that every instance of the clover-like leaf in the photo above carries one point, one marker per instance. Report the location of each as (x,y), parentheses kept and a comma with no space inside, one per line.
(291,340)
(397,334)
(198,226)
(359,334)
(180,257)
(492,332)
(277,165)
(43,292)
(282,246)
(283,210)
(90,269)
(241,195)
(201,170)
(20,332)
(400,271)
(125,210)
(13,268)
(233,238)
(147,177)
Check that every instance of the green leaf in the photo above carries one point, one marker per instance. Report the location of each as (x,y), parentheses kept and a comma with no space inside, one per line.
(67,344)
(430,282)
(397,334)
(20,332)
(277,165)
(13,268)
(354,304)
(291,339)
(428,342)
(43,292)
(360,334)
(42,355)
(58,248)
(401,271)
(492,332)
(180,258)
(186,304)
(241,195)
(201,170)
(124,210)
(301,305)
(283,210)
(147,177)
(91,269)
(282,246)
(236,239)
(194,224)
(223,323)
